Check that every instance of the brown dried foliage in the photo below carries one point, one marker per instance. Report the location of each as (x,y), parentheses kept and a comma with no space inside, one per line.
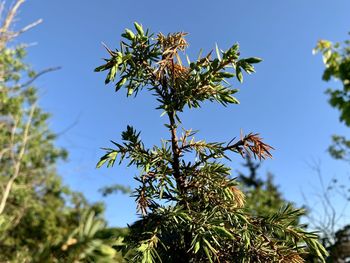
(253,144)
(170,66)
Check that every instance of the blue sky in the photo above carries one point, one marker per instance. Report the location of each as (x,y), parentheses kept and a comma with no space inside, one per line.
(283,101)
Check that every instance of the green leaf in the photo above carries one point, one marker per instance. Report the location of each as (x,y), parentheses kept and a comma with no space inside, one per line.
(102,68)
(231,99)
(139,28)
(209,246)
(223,232)
(197,246)
(102,161)
(208,254)
(239,74)
(112,156)
(88,223)
(129,34)
(253,60)
(130,91)
(107,251)
(226,74)
(185,216)
(120,83)
(217,52)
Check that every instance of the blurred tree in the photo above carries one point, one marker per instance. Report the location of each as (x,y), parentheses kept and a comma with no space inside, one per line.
(262,196)
(90,241)
(340,250)
(336,57)
(37,212)
(191,210)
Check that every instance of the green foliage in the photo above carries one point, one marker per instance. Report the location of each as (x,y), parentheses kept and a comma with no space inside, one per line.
(340,149)
(262,196)
(107,190)
(336,58)
(34,209)
(141,62)
(90,241)
(37,212)
(191,209)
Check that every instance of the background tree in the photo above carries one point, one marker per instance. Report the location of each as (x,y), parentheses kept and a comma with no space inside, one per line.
(336,58)
(191,210)
(37,212)
(262,196)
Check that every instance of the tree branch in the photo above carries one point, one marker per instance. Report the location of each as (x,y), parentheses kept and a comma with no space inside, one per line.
(10,16)
(26,28)
(18,162)
(38,75)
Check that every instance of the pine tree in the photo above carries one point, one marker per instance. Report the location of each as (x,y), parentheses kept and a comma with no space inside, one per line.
(191,209)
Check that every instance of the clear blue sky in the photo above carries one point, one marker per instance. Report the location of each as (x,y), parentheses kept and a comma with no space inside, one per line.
(284,100)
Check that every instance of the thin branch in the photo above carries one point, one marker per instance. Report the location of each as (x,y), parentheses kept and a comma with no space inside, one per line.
(248,144)
(38,75)
(69,127)
(10,16)
(26,28)
(18,162)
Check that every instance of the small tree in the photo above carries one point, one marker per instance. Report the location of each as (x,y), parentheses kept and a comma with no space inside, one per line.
(192,210)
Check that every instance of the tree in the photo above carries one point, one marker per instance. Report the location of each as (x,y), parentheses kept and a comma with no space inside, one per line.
(37,212)
(191,210)
(336,58)
(262,196)
(340,250)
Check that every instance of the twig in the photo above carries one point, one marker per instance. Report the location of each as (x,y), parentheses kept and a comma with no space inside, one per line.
(26,28)
(10,16)
(38,75)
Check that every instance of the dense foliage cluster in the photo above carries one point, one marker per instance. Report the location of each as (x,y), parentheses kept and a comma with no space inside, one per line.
(191,208)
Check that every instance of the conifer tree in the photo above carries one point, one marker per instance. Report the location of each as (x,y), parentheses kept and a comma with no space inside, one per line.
(191,209)
(262,195)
